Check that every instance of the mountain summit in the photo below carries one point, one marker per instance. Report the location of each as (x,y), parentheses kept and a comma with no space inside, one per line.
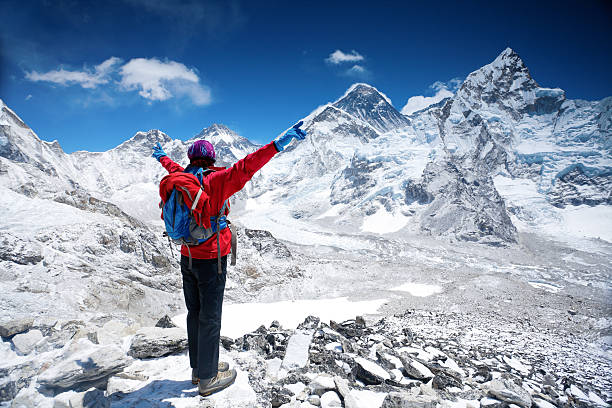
(365,102)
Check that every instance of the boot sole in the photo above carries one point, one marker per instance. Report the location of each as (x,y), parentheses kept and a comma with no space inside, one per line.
(217,389)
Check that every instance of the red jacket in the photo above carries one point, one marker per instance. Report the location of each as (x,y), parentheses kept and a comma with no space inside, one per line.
(219,186)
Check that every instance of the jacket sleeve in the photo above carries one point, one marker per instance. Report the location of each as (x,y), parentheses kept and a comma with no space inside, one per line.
(229,181)
(169,165)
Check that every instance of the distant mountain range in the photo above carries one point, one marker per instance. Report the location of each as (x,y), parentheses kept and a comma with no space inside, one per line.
(451,169)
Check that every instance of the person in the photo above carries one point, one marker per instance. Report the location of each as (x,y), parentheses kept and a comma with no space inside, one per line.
(203,285)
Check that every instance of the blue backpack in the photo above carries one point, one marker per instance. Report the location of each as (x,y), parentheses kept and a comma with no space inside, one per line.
(181,227)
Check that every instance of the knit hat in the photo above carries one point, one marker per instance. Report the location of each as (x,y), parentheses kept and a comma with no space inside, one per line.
(201,149)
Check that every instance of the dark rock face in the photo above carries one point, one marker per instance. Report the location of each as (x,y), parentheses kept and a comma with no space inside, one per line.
(577,185)
(470,209)
(265,243)
(13,249)
(165,323)
(345,124)
(416,192)
(354,182)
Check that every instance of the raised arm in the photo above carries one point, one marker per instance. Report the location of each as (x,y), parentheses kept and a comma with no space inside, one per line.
(232,180)
(165,161)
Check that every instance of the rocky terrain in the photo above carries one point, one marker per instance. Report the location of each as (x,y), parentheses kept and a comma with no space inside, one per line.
(414,359)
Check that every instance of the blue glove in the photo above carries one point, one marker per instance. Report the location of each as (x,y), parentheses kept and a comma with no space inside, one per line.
(158,152)
(294,133)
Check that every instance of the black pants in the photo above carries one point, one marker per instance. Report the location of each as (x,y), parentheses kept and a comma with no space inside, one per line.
(203,288)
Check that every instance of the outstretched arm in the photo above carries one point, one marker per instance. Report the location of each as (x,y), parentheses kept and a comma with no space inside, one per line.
(232,180)
(162,157)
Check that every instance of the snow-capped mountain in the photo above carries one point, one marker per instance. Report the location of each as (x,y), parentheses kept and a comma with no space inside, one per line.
(454,168)
(229,146)
(365,102)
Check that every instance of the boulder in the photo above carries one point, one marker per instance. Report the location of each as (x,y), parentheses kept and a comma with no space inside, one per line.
(509,392)
(330,400)
(16,326)
(321,384)
(491,403)
(84,362)
(345,391)
(415,369)
(150,342)
(369,372)
(296,355)
(114,331)
(24,343)
(407,400)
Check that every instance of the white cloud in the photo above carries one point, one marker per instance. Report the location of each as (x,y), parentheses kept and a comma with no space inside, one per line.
(357,71)
(339,57)
(154,80)
(443,90)
(158,81)
(27,98)
(86,78)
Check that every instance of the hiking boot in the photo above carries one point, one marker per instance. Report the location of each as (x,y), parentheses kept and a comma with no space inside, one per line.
(223,366)
(222,380)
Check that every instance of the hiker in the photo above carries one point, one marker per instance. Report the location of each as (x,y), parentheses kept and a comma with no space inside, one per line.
(203,280)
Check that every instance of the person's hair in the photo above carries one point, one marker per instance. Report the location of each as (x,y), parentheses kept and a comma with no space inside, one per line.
(203,162)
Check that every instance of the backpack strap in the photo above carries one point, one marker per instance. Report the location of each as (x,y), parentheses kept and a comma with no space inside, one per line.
(219,270)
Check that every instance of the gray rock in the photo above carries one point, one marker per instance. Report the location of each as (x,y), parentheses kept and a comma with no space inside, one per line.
(17,250)
(84,362)
(165,322)
(344,390)
(297,350)
(12,327)
(24,343)
(151,342)
(509,392)
(406,400)
(14,378)
(330,400)
(369,372)
(314,400)
(415,369)
(322,384)
(491,403)
(443,380)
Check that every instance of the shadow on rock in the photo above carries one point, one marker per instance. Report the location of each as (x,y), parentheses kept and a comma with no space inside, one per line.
(155,394)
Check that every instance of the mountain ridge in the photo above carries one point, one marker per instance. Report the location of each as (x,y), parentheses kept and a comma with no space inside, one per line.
(500,123)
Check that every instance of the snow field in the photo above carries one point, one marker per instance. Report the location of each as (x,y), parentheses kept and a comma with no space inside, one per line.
(241,318)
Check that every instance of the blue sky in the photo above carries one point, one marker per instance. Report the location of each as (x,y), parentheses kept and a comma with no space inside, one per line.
(90,74)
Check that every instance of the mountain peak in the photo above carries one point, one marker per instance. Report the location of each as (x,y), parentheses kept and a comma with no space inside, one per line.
(361,88)
(507,72)
(148,139)
(218,133)
(509,58)
(368,104)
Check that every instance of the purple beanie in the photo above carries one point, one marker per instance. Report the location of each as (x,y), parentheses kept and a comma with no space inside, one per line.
(201,149)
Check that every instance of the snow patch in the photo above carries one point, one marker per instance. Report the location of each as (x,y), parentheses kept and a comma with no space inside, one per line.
(241,318)
(418,289)
(384,222)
